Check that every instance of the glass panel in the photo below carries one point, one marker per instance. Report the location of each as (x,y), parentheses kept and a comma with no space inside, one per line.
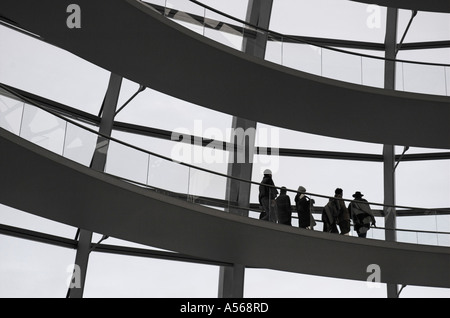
(186,13)
(154,109)
(34,270)
(137,277)
(157,2)
(274,50)
(11,112)
(430,178)
(260,283)
(223,30)
(427,238)
(254,191)
(447,80)
(168,175)
(13,217)
(377,232)
(235,8)
(335,19)
(127,162)
(204,184)
(424,79)
(185,6)
(45,70)
(373,72)
(306,58)
(43,129)
(426,26)
(399,77)
(189,21)
(342,66)
(79,144)
(407,237)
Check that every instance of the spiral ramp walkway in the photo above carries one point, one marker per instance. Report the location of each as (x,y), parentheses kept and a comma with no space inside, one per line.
(135,214)
(132,40)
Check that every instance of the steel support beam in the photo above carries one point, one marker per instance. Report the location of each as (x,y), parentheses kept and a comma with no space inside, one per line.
(98,163)
(389,150)
(231,278)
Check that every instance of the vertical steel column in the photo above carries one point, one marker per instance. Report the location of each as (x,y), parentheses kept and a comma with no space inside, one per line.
(389,150)
(231,278)
(98,163)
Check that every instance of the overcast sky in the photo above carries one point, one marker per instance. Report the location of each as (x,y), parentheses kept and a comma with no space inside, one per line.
(29,269)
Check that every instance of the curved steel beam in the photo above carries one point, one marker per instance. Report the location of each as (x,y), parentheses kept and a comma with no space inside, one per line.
(130,39)
(40,182)
(419,5)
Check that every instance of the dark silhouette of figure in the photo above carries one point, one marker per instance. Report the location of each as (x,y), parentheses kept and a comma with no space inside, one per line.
(336,213)
(329,217)
(343,219)
(267,195)
(284,207)
(361,214)
(303,206)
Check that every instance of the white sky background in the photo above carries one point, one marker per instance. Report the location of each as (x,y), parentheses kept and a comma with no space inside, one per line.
(29,269)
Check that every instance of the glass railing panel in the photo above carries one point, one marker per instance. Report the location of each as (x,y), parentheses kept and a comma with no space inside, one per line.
(204,185)
(407,237)
(186,13)
(373,72)
(425,79)
(427,238)
(447,80)
(161,3)
(11,112)
(43,129)
(443,239)
(254,191)
(274,49)
(302,57)
(377,232)
(183,6)
(79,144)
(126,162)
(443,226)
(223,30)
(342,66)
(168,175)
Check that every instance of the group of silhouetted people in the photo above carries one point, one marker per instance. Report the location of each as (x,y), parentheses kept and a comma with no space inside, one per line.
(336,215)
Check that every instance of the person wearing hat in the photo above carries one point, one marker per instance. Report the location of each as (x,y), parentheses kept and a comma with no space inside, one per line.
(267,195)
(361,214)
(284,207)
(303,207)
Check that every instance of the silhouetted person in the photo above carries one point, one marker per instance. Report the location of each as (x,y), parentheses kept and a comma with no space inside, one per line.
(334,214)
(343,219)
(284,207)
(267,195)
(361,214)
(303,207)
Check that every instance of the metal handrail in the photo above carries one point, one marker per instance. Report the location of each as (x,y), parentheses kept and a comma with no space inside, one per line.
(311,43)
(25,99)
